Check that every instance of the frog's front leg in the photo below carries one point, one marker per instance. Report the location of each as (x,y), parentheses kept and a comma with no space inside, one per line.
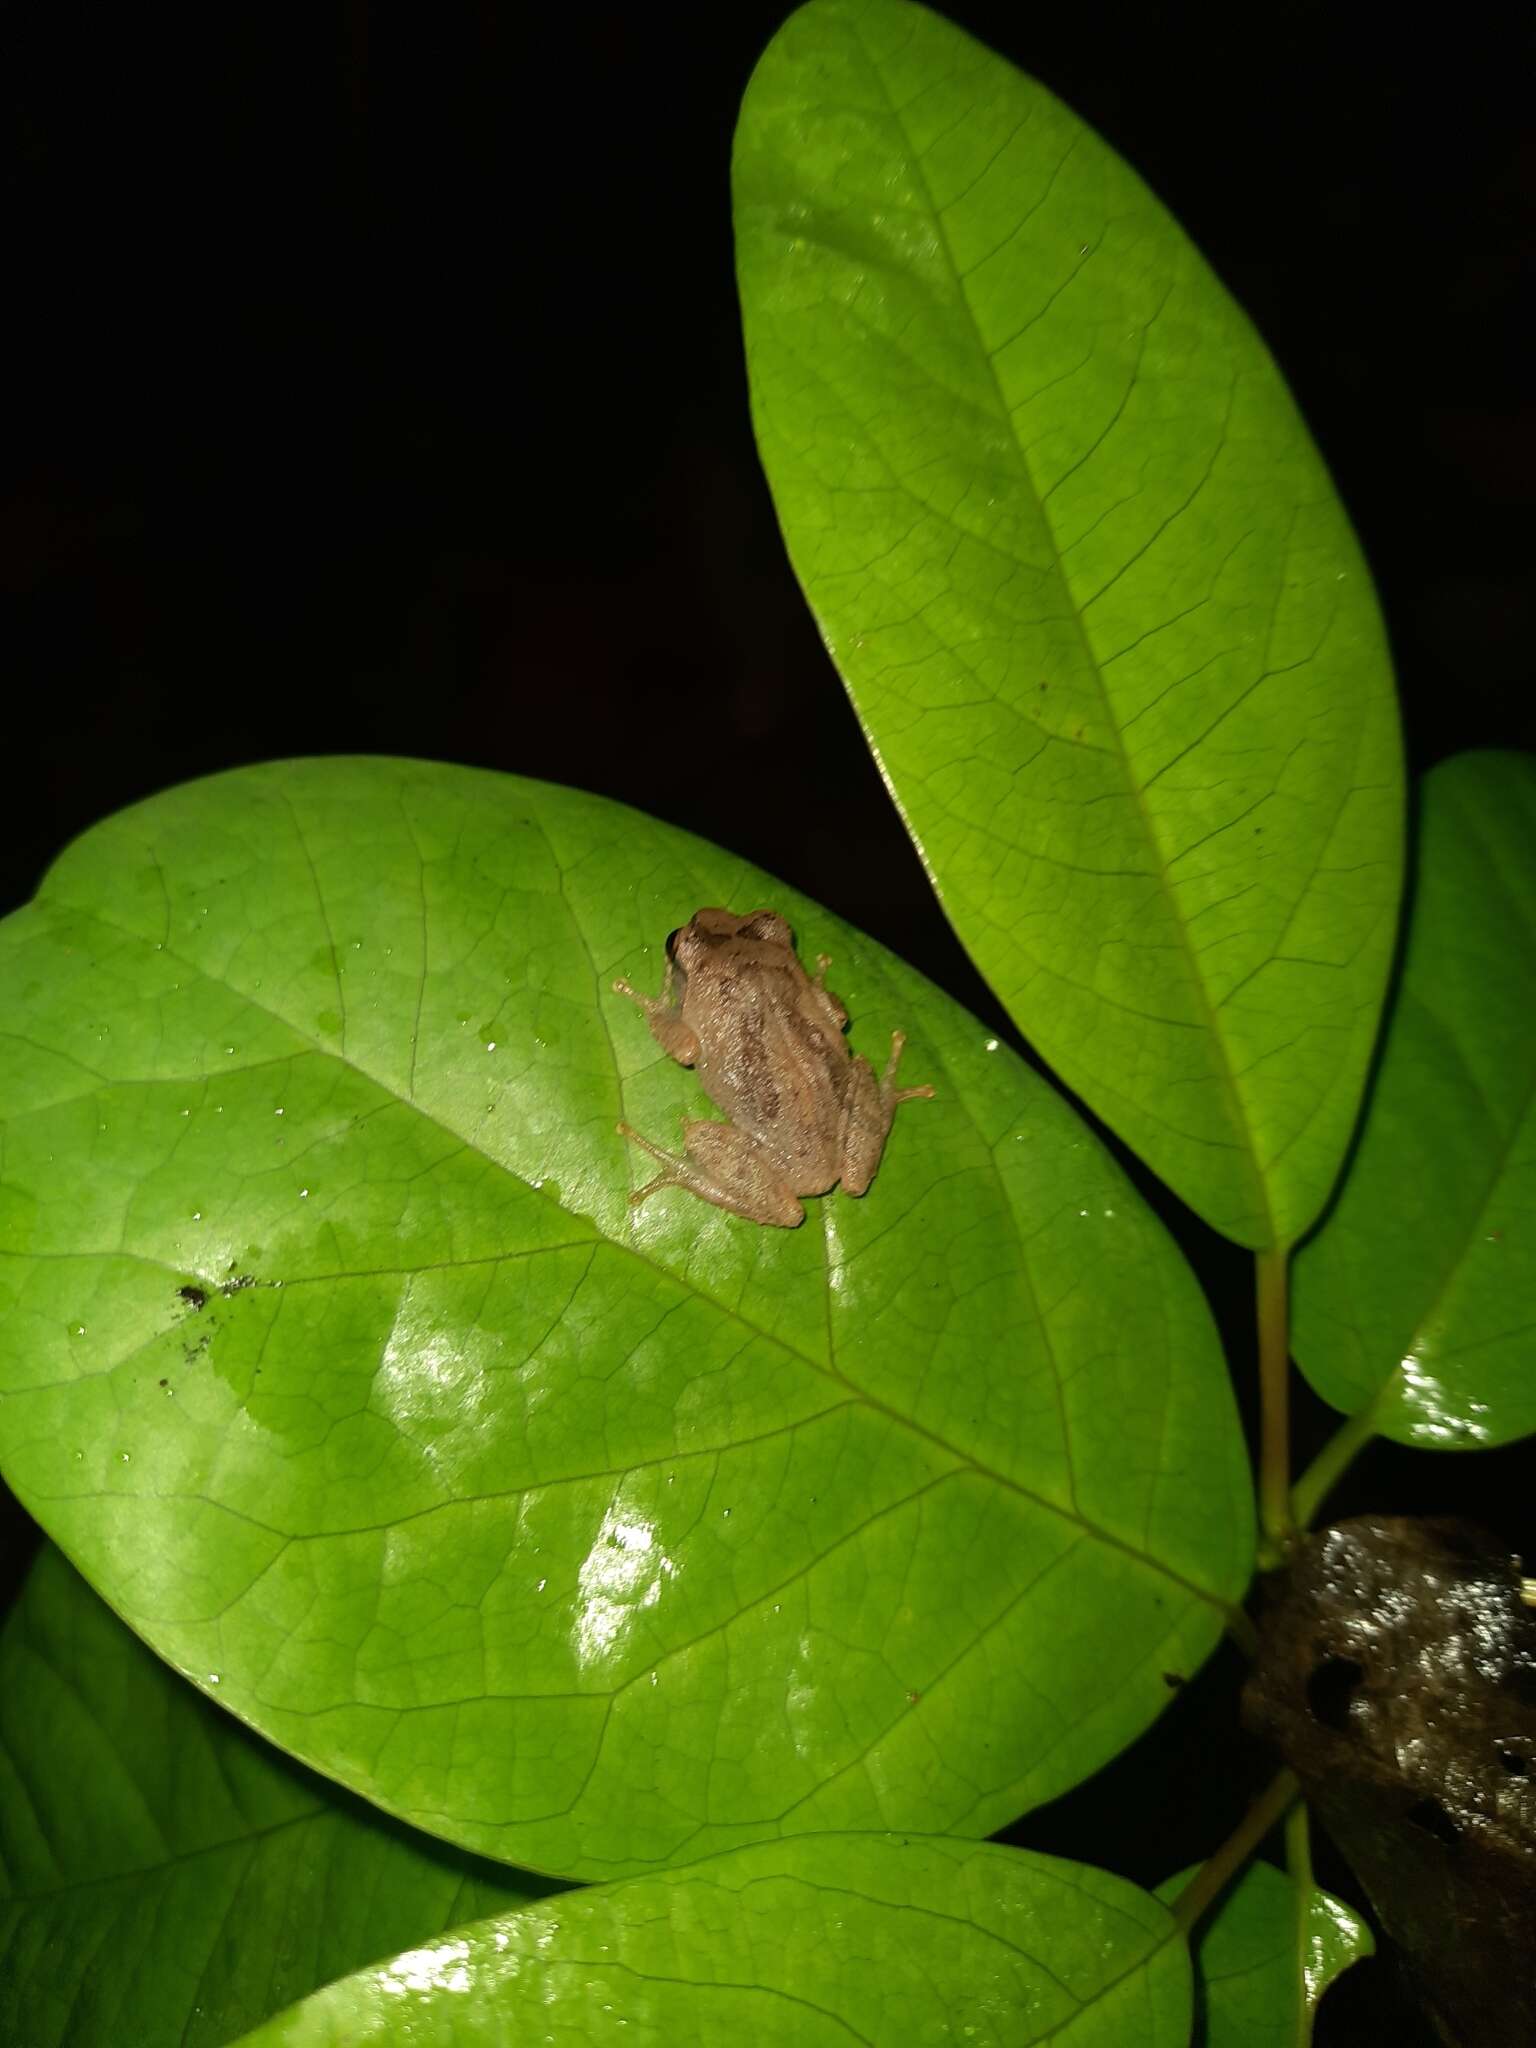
(665,1019)
(868,1112)
(726,1167)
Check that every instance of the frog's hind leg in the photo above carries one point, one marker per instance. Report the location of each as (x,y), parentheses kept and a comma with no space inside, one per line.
(868,1112)
(725,1167)
(889,1092)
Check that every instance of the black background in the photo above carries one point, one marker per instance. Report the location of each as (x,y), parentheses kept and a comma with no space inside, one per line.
(379,389)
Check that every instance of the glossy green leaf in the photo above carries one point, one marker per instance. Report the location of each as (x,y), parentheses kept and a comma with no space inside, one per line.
(1415,1304)
(829,1939)
(1087,580)
(1262,1966)
(590,1537)
(165,1878)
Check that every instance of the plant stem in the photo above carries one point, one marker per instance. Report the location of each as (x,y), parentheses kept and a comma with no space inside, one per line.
(1277,1530)
(1330,1465)
(1298,1864)
(1217,1872)
(1298,1847)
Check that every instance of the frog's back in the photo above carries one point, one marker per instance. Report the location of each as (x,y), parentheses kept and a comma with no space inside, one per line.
(780,1074)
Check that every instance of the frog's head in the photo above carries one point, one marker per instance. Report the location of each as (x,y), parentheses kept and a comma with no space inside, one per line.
(711,931)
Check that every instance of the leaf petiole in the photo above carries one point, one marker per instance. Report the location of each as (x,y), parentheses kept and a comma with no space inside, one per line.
(1218,1870)
(1330,1465)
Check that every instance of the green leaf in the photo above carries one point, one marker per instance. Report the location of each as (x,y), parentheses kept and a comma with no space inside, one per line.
(587,1536)
(829,1939)
(1264,1958)
(165,1877)
(1092,592)
(1415,1304)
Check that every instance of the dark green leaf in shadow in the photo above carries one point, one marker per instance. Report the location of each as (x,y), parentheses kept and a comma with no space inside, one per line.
(1092,591)
(1261,1969)
(165,1878)
(1415,1304)
(587,1536)
(829,1939)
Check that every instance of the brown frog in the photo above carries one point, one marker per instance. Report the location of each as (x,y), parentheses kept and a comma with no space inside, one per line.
(767,1044)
